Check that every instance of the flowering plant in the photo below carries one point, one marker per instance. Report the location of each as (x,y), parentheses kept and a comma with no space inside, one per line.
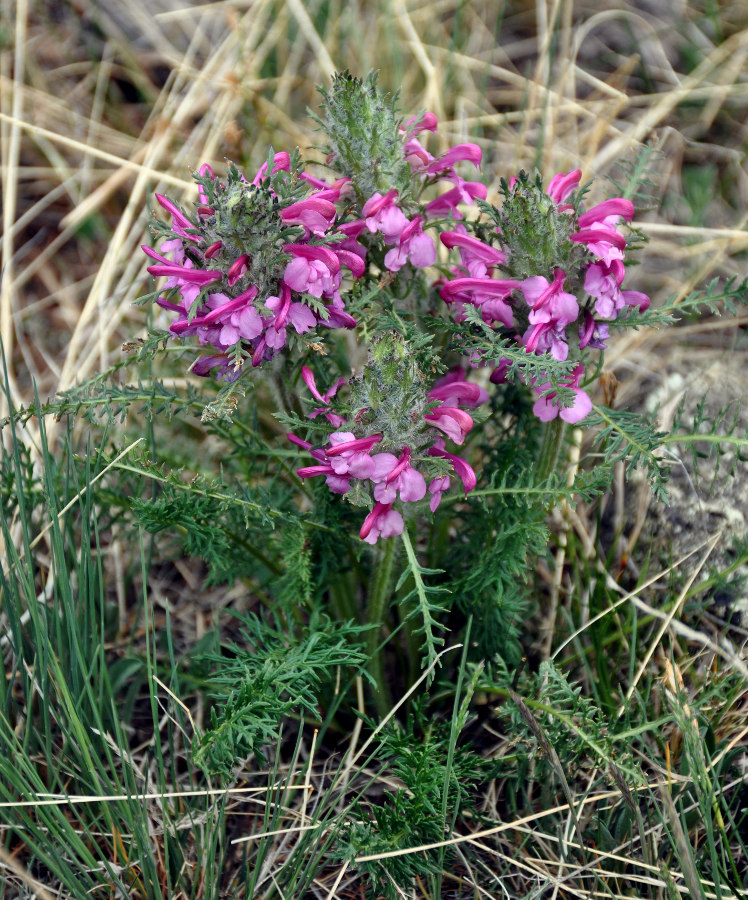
(418,332)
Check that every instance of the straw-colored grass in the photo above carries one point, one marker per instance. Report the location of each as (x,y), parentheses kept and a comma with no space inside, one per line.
(103,104)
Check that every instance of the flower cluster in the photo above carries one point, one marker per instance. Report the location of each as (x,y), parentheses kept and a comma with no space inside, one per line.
(565,270)
(377,460)
(257,264)
(254,261)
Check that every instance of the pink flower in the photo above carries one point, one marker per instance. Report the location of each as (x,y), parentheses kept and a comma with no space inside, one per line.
(454,390)
(547,408)
(281,161)
(309,380)
(383,521)
(461,468)
(603,283)
(237,268)
(181,225)
(426,121)
(462,152)
(418,158)
(185,275)
(437,487)
(560,186)
(602,239)
(546,337)
(313,269)
(298,314)
(381,214)
(454,422)
(228,320)
(315,214)
(488,294)
(463,192)
(478,258)
(349,455)
(549,303)
(593,334)
(609,209)
(413,245)
(393,476)
(205,170)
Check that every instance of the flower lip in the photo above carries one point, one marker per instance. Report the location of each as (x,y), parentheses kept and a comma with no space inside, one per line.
(464,470)
(376,203)
(237,303)
(469,152)
(352,261)
(477,248)
(560,186)
(313,252)
(402,464)
(191,276)
(177,215)
(489,287)
(312,471)
(357,444)
(616,206)
(592,235)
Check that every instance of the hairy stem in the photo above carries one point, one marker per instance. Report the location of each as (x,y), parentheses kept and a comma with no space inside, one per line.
(550,447)
(381,592)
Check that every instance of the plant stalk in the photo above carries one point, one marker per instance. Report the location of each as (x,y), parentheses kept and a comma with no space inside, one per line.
(550,447)
(381,592)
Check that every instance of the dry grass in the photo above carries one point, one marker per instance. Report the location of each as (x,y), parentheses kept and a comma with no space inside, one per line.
(102,104)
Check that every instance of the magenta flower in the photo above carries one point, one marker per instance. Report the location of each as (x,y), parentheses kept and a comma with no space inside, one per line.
(547,408)
(417,157)
(593,334)
(560,186)
(281,161)
(427,121)
(314,213)
(452,420)
(350,456)
(204,170)
(413,246)
(381,214)
(312,270)
(462,152)
(437,486)
(488,294)
(603,283)
(181,225)
(464,192)
(609,209)
(602,239)
(549,303)
(454,390)
(186,275)
(227,321)
(383,521)
(400,478)
(478,258)
(462,469)
(335,420)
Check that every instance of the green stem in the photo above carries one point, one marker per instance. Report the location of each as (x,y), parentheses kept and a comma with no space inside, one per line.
(550,447)
(343,597)
(379,597)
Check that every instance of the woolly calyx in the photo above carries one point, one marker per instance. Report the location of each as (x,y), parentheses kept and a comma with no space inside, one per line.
(535,232)
(362,127)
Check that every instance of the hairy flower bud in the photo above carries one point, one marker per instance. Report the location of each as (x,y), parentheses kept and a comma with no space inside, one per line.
(363,130)
(535,232)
